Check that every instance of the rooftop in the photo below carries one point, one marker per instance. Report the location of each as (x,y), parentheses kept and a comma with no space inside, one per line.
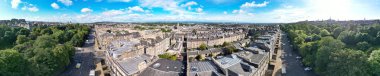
(130,65)
(202,66)
(242,69)
(228,61)
(251,57)
(168,66)
(118,47)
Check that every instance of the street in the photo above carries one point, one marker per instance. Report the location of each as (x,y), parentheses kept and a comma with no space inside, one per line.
(84,55)
(293,65)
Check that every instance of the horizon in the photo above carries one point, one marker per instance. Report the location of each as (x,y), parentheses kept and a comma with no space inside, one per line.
(224,11)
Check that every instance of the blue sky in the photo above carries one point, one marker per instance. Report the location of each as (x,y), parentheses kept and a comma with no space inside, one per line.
(256,11)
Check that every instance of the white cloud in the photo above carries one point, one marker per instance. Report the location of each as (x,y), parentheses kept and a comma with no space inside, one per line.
(199,10)
(134,15)
(238,11)
(173,6)
(252,4)
(250,14)
(54,5)
(149,14)
(33,9)
(135,9)
(30,7)
(189,4)
(15,3)
(113,12)
(86,10)
(225,12)
(168,5)
(66,2)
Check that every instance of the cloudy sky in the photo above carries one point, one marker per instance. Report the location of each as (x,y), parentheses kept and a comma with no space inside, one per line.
(255,11)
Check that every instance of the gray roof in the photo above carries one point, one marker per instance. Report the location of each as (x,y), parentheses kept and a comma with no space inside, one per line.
(240,69)
(117,47)
(237,46)
(211,73)
(106,35)
(202,66)
(154,72)
(251,57)
(228,61)
(169,66)
(130,64)
(209,51)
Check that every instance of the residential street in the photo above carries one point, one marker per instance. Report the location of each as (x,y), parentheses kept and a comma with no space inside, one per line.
(293,65)
(86,56)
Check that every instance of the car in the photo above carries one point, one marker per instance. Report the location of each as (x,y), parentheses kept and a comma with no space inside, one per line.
(92,73)
(78,65)
(298,57)
(307,68)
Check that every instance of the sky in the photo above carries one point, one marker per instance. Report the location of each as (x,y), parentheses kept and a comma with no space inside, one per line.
(253,11)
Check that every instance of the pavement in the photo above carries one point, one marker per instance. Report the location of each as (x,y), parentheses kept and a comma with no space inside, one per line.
(86,56)
(278,62)
(293,65)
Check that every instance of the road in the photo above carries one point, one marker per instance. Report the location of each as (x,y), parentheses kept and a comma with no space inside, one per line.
(293,65)
(85,56)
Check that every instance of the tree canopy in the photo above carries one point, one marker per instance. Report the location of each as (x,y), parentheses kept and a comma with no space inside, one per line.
(42,51)
(346,45)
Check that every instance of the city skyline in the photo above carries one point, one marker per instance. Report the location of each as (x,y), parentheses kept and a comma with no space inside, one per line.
(254,11)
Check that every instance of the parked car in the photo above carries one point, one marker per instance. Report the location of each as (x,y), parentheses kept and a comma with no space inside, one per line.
(308,68)
(78,65)
(298,57)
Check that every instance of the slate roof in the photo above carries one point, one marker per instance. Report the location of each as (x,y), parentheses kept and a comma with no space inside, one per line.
(130,64)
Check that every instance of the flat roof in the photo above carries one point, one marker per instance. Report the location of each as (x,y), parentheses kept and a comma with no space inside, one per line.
(203,66)
(130,65)
(169,66)
(228,61)
(239,69)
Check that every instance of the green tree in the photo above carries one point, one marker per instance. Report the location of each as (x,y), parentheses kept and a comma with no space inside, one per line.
(226,44)
(77,40)
(59,35)
(337,31)
(21,39)
(46,31)
(62,55)
(202,46)
(44,61)
(201,57)
(231,49)
(23,31)
(327,46)
(374,60)
(308,50)
(12,63)
(364,46)
(45,41)
(354,63)
(359,37)
(324,32)
(348,37)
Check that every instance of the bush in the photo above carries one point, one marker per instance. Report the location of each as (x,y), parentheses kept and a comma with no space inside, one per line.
(200,57)
(173,57)
(164,56)
(202,46)
(168,56)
